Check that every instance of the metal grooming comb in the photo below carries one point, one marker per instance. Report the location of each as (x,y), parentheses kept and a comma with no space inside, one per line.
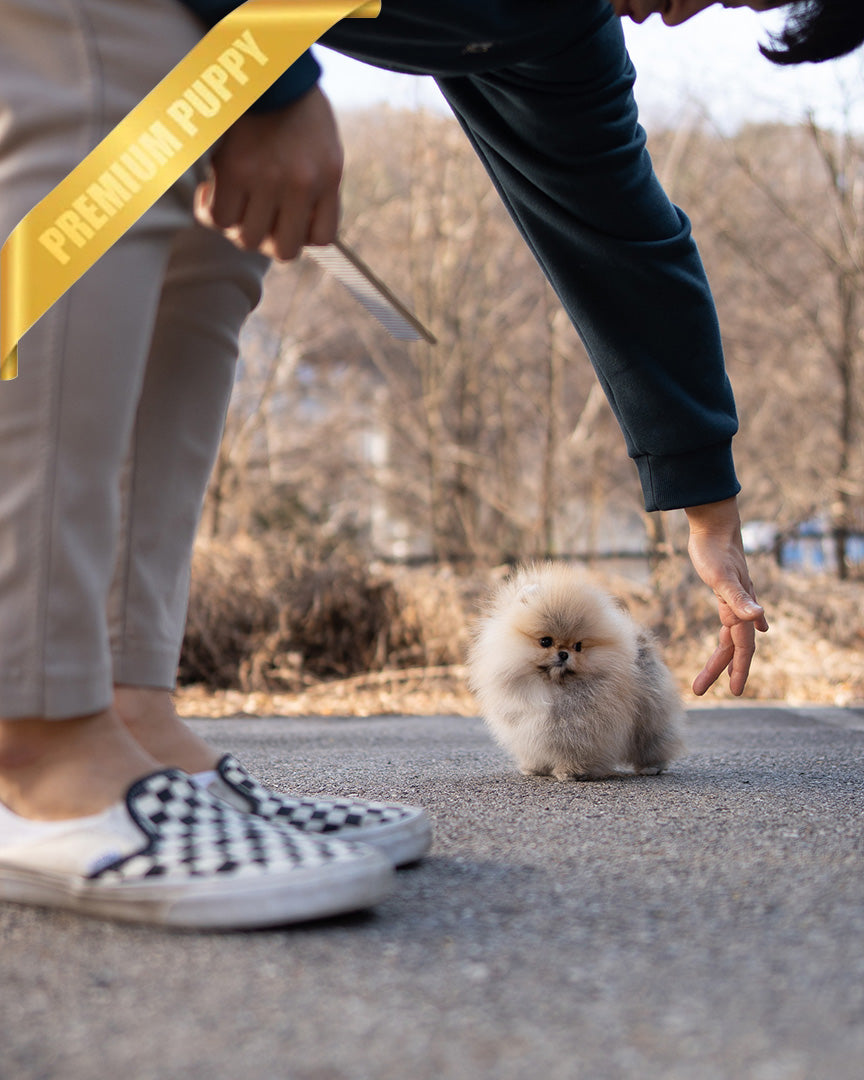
(349,270)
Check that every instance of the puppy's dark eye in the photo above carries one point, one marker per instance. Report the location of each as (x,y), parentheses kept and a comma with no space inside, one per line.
(576,646)
(545,642)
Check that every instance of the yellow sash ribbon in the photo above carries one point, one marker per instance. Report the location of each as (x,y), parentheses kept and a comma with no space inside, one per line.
(121,178)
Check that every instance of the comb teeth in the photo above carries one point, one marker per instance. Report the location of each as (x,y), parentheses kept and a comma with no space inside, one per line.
(350,271)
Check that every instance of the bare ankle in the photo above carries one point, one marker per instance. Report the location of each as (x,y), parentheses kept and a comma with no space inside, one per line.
(151,719)
(31,741)
(54,769)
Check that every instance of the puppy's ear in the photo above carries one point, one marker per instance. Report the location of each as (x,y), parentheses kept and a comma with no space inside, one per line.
(527,591)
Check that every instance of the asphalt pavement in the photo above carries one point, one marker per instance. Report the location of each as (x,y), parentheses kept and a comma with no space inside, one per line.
(707,924)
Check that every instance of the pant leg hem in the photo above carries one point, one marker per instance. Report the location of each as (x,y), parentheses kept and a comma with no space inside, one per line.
(60,697)
(155,668)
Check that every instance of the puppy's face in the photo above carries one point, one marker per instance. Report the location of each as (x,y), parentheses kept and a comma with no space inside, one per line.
(553,645)
(577,634)
(557,657)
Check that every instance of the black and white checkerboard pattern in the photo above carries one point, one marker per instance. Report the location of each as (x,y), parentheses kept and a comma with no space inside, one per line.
(307,813)
(189,833)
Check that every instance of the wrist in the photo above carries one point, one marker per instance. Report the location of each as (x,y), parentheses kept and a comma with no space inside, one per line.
(716,517)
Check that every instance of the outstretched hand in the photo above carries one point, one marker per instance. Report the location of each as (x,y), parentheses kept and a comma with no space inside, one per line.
(275,179)
(717,553)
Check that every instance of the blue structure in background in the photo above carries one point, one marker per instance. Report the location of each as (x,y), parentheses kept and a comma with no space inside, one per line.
(809,548)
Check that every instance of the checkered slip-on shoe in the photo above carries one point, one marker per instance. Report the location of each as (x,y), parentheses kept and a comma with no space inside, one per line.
(174,855)
(402,833)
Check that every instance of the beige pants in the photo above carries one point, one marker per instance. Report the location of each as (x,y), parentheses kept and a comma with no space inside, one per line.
(108,435)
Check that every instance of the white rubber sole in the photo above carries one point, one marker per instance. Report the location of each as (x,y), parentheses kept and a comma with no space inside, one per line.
(274,899)
(403,842)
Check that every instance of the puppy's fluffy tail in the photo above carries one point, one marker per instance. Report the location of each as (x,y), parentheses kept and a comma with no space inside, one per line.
(657,730)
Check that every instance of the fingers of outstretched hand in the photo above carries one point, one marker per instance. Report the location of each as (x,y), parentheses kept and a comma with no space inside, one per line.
(734,654)
(719,661)
(717,553)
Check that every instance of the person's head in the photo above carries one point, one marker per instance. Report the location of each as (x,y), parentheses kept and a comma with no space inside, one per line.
(814,30)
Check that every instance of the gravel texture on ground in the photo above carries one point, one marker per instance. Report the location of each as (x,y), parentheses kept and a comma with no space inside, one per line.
(704,925)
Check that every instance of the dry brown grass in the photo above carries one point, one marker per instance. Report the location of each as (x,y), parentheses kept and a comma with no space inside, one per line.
(261,621)
(268,634)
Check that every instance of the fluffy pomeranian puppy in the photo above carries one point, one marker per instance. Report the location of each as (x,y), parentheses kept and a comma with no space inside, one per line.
(568,683)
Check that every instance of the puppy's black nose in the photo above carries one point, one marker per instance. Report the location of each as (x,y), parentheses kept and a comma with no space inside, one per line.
(563,654)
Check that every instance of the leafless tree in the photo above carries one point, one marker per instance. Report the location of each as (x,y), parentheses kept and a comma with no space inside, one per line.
(458,450)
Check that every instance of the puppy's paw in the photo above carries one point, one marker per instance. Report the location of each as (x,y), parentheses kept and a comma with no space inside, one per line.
(587,774)
(562,774)
(536,770)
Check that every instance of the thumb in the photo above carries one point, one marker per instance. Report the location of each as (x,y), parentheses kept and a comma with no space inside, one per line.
(744,606)
(203,202)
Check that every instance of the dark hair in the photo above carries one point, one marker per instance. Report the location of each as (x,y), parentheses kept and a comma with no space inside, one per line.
(817,30)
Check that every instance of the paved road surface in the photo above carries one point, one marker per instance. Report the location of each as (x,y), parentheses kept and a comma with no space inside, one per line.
(705,925)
